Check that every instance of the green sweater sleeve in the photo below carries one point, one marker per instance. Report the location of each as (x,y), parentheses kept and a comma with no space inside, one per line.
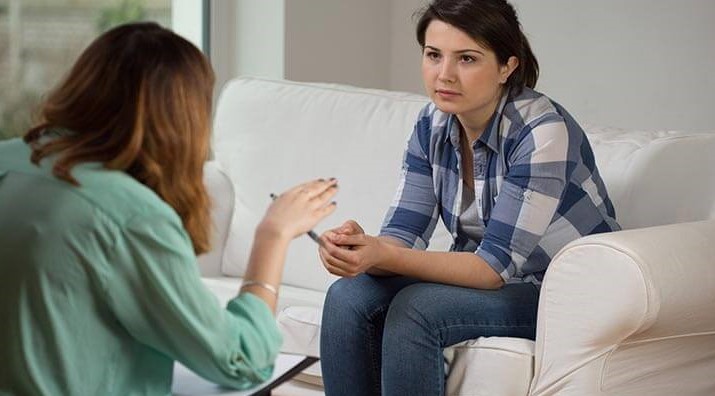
(154,288)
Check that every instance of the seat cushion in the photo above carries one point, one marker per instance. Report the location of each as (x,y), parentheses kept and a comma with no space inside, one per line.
(485,366)
(473,365)
(226,288)
(490,366)
(299,314)
(300,326)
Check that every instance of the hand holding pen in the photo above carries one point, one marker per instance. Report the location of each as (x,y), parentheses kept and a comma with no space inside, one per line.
(298,210)
(310,233)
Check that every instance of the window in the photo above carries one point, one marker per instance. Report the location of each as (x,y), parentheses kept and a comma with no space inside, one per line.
(41,39)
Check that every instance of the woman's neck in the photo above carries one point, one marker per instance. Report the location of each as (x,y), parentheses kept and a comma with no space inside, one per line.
(472,130)
(474,123)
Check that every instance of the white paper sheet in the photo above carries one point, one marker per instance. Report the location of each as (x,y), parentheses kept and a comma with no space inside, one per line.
(187,383)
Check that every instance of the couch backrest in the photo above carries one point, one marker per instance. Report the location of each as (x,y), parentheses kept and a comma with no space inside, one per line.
(270,135)
(656,177)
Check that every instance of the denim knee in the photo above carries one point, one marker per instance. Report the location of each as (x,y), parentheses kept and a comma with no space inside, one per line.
(346,296)
(409,312)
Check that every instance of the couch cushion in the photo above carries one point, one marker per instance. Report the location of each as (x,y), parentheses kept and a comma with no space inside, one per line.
(270,135)
(300,326)
(299,315)
(485,366)
(490,366)
(226,288)
(656,177)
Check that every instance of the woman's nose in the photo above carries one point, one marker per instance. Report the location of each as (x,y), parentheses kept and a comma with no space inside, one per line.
(447,72)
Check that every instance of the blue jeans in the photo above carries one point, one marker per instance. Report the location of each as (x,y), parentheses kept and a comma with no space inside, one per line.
(385,335)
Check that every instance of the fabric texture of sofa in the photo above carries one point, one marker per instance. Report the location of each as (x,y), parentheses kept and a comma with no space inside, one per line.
(626,313)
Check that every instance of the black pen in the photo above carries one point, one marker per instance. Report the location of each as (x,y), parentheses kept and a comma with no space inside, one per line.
(310,233)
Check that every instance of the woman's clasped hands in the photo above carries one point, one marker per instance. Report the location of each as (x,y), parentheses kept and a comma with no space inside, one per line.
(347,251)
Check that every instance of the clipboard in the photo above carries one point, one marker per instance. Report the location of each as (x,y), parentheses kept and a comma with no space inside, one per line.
(188,383)
(304,364)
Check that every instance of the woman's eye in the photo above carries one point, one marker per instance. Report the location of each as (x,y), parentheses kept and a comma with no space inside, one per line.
(467,59)
(432,55)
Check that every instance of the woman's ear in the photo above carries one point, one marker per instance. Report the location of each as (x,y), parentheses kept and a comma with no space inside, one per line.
(506,69)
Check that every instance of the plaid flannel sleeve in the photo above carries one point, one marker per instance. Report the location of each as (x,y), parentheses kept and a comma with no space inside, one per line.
(529,196)
(413,214)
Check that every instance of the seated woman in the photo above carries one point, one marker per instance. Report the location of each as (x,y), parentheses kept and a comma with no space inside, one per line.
(102,212)
(513,178)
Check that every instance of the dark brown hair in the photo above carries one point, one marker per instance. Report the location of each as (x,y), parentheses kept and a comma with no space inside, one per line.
(137,100)
(492,23)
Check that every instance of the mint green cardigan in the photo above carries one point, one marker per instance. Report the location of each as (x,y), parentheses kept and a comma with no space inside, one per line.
(100,291)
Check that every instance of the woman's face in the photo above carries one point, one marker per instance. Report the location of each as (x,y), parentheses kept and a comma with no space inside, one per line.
(461,76)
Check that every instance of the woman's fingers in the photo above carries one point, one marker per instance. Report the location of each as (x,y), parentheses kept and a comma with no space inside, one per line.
(336,270)
(326,194)
(334,263)
(322,189)
(329,263)
(326,210)
(313,188)
(343,254)
(293,212)
(351,227)
(349,239)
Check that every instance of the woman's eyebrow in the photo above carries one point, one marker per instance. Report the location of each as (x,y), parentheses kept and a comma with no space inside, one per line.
(462,51)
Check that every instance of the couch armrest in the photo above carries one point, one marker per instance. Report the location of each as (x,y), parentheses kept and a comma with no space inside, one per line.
(630,312)
(222,194)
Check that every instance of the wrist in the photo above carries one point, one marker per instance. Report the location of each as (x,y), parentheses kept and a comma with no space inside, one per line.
(388,252)
(269,232)
(263,285)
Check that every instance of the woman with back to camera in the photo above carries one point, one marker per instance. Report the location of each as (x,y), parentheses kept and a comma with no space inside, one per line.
(513,178)
(102,211)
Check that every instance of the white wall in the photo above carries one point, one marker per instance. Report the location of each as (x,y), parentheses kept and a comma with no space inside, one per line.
(186,20)
(636,63)
(338,41)
(247,38)
(260,37)
(647,64)
(405,54)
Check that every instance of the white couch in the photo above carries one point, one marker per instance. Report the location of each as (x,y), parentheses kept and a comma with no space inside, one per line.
(626,313)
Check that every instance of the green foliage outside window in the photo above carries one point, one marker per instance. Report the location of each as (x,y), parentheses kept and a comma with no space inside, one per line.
(15,118)
(124,12)
(19,103)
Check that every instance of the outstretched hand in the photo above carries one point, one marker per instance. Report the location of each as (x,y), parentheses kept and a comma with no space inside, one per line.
(296,211)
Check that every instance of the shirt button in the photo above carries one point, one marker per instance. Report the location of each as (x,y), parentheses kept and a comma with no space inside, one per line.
(527,194)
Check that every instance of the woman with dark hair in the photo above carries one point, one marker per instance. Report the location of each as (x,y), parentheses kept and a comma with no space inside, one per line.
(102,211)
(513,178)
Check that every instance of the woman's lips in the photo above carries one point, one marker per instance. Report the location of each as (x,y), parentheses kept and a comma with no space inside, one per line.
(446,94)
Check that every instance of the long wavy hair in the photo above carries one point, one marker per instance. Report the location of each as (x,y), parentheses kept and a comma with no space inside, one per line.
(137,100)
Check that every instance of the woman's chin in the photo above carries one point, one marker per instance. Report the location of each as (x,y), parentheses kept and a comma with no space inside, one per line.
(446,107)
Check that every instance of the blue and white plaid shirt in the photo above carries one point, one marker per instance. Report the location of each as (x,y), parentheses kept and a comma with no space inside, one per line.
(536,185)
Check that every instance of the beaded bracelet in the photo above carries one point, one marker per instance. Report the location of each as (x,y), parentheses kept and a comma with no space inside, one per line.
(264,285)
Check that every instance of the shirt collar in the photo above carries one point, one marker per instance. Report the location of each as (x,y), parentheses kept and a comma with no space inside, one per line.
(453,130)
(490,137)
